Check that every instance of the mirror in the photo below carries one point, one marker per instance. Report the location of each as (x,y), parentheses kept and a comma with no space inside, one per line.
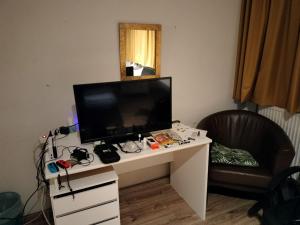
(139,51)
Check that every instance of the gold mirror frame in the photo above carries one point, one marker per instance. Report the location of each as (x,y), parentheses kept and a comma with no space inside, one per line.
(123,27)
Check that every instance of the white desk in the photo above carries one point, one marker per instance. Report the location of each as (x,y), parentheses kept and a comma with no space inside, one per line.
(188,172)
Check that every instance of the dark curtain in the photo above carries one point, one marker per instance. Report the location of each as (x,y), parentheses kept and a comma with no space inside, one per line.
(268,59)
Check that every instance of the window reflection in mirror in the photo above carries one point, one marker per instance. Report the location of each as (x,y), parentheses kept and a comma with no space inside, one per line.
(139,51)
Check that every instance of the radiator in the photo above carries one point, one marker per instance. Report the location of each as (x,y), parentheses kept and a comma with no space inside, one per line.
(289,123)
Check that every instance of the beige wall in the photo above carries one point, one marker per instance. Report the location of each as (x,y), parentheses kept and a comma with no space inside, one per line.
(47,46)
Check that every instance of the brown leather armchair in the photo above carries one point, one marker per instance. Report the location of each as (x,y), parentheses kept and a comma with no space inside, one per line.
(263,138)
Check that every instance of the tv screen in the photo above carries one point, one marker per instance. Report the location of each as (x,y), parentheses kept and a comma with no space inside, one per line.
(113,111)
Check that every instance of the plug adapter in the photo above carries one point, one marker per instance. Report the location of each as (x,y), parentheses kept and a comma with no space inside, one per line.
(43,139)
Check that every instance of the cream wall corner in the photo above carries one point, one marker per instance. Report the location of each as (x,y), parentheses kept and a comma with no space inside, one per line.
(47,46)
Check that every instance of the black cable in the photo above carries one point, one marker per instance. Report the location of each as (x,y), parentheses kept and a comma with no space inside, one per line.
(41,170)
(28,199)
(60,186)
(46,142)
(40,174)
(73,125)
(62,152)
(66,129)
(68,182)
(78,162)
(41,164)
(61,137)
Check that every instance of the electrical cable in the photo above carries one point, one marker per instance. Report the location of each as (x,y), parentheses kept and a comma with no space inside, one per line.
(73,125)
(87,163)
(23,210)
(40,174)
(28,199)
(62,152)
(34,219)
(42,207)
(65,135)
(68,182)
(66,129)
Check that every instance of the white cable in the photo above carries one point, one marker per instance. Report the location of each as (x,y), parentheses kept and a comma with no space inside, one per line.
(42,207)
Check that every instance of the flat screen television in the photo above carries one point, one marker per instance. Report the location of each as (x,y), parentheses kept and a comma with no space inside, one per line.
(118,111)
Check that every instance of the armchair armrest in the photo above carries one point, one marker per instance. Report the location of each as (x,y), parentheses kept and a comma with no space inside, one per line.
(277,149)
(282,160)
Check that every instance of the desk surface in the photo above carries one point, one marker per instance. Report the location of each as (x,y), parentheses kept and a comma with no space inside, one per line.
(73,139)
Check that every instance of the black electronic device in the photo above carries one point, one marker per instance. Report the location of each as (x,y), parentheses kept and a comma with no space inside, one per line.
(107,153)
(64,130)
(118,111)
(54,149)
(80,154)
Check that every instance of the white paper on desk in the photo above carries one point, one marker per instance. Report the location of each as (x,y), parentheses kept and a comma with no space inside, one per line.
(203,133)
(187,133)
(194,133)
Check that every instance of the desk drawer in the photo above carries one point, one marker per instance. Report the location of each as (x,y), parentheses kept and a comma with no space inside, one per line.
(107,214)
(84,199)
(115,221)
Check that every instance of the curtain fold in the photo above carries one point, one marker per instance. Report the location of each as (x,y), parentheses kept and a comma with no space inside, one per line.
(140,47)
(267,69)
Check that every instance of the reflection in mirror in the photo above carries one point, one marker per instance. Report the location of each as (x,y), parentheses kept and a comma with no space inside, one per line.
(139,51)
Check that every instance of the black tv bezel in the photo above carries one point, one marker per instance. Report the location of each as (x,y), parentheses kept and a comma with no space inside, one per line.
(123,137)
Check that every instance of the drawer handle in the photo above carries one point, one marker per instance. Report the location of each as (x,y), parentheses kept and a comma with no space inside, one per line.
(102,221)
(84,189)
(86,208)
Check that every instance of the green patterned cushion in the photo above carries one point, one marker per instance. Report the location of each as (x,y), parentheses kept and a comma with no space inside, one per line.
(222,154)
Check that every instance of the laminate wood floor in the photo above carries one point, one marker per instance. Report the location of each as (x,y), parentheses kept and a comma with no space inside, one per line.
(157,203)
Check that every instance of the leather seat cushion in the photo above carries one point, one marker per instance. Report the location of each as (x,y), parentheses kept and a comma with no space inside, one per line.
(244,176)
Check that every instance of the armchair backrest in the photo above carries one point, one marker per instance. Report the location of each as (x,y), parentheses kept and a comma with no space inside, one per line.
(239,129)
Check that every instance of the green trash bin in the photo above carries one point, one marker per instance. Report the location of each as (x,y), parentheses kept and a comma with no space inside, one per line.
(10,207)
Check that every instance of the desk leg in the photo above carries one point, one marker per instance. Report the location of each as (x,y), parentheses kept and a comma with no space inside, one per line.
(189,172)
